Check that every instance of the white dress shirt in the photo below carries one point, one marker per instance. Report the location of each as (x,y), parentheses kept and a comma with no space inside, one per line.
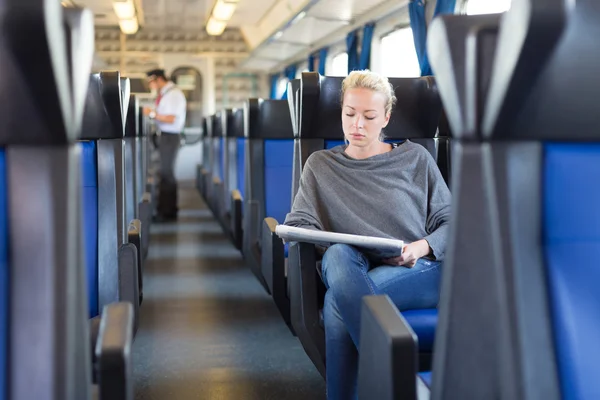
(172,102)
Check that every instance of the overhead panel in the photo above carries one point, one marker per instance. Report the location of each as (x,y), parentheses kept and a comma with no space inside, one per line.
(278,51)
(310,30)
(345,10)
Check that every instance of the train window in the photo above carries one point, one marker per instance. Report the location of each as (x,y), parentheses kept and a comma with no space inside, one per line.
(339,65)
(476,7)
(281,87)
(398,56)
(301,68)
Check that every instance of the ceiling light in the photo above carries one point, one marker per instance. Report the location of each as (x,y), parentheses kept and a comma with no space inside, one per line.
(215,27)
(124,9)
(129,26)
(298,17)
(278,35)
(224,10)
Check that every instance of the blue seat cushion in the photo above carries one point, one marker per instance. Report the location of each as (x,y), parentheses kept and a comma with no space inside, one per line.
(426,377)
(286,249)
(89,165)
(278,165)
(571,238)
(4,270)
(423,322)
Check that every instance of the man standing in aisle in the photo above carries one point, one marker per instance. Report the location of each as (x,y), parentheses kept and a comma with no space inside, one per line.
(169,115)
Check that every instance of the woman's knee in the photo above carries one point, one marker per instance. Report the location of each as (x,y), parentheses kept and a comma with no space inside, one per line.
(336,262)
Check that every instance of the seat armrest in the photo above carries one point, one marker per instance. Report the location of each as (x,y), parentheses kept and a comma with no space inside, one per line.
(388,361)
(306,298)
(236,218)
(134,234)
(94,325)
(145,213)
(113,352)
(273,267)
(128,279)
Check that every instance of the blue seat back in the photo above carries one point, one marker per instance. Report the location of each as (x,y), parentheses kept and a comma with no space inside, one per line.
(330,144)
(571,239)
(221,158)
(241,162)
(90,220)
(4,292)
(278,177)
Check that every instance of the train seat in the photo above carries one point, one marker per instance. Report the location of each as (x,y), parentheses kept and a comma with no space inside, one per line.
(269,144)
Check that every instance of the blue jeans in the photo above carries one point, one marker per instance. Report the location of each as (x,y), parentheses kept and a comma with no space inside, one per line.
(348,276)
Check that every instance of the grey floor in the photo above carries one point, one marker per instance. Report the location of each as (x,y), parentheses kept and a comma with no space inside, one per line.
(208,330)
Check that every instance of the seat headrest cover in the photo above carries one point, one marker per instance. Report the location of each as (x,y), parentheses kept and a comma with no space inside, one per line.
(416,114)
(133,118)
(142,130)
(268,119)
(35,84)
(80,38)
(125,93)
(238,123)
(217,125)
(461,50)
(544,82)
(292,88)
(227,121)
(103,114)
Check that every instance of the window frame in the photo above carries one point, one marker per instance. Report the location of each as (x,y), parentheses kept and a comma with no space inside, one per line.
(380,37)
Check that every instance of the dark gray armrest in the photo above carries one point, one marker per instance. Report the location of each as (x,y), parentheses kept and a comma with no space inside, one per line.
(134,234)
(94,324)
(306,296)
(388,362)
(113,352)
(236,218)
(273,267)
(128,279)
(145,213)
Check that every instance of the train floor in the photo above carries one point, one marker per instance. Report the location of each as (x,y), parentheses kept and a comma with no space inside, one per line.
(208,330)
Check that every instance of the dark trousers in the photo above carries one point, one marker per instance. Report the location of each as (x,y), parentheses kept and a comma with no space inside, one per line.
(167,188)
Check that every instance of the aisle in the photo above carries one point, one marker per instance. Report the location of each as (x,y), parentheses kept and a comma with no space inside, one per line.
(208,330)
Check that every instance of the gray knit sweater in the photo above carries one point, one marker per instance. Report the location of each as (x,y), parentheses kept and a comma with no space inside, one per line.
(399,194)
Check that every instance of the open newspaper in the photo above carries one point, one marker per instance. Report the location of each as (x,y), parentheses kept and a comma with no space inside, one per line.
(374,247)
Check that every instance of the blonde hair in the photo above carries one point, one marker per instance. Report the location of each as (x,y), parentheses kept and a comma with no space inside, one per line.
(370,80)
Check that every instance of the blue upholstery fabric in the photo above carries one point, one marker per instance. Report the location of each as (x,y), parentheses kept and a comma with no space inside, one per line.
(279,160)
(426,377)
(221,158)
(241,162)
(423,322)
(89,165)
(572,249)
(286,249)
(330,144)
(4,293)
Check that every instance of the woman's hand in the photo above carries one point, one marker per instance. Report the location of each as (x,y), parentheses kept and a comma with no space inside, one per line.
(147,111)
(410,254)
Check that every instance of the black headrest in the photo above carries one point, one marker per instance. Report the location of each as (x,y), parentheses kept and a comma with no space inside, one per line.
(37,83)
(125,93)
(268,119)
(80,47)
(238,123)
(142,121)
(217,125)
(545,82)
(103,114)
(132,127)
(416,114)
(227,122)
(461,50)
(293,87)
(205,126)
